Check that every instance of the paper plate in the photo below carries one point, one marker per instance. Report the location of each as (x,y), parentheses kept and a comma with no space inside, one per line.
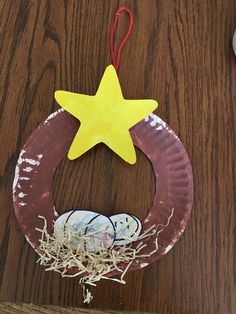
(48,145)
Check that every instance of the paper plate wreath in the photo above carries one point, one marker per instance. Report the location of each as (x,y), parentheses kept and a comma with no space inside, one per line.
(82,242)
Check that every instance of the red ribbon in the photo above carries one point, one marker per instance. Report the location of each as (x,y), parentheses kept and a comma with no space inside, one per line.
(116,61)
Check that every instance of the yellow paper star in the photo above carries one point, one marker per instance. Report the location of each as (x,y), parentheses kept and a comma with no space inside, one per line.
(105,117)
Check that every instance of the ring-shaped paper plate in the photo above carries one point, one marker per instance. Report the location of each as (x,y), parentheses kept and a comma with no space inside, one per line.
(48,145)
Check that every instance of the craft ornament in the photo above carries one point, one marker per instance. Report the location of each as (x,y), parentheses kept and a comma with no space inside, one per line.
(81,242)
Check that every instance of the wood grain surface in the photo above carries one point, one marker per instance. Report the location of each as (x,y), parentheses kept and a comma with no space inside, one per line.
(15,308)
(180,54)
